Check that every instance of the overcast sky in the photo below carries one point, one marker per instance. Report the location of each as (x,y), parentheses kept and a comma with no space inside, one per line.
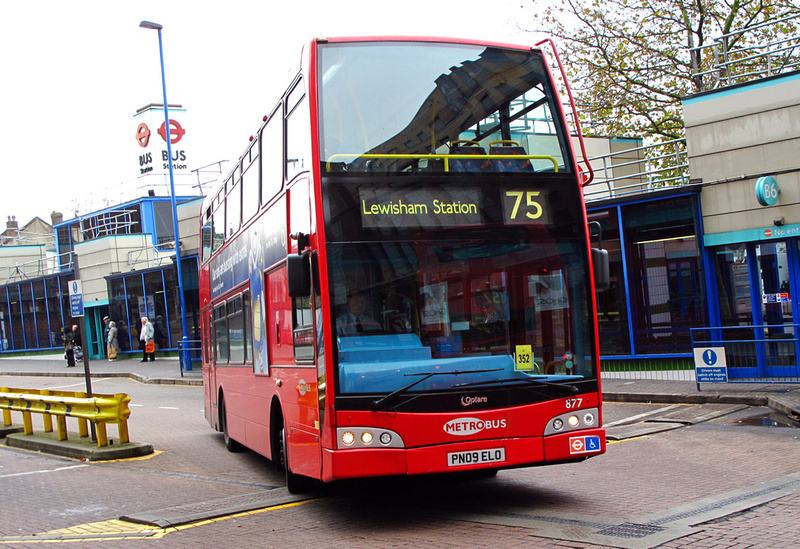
(74,73)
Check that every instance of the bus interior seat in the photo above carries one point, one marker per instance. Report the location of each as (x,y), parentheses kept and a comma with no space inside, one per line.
(465,164)
(507,148)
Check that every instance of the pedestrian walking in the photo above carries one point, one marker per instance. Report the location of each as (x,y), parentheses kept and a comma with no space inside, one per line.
(146,341)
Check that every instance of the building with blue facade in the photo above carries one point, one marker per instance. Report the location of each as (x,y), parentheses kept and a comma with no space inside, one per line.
(124,258)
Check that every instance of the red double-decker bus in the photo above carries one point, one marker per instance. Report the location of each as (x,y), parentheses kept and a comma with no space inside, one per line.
(397,275)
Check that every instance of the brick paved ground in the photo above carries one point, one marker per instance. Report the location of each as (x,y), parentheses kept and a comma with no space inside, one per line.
(635,480)
(774,525)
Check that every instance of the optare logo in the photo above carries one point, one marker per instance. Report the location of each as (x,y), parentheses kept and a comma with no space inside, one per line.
(469,401)
(465,426)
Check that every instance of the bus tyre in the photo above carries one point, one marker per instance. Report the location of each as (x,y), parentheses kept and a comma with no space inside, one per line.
(296,484)
(230,444)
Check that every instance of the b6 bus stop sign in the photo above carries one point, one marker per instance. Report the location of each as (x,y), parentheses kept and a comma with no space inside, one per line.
(75,298)
(710,365)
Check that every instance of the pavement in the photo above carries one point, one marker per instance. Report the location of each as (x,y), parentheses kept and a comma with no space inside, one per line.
(161,371)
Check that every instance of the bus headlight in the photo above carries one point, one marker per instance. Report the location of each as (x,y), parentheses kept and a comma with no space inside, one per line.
(588,418)
(364,437)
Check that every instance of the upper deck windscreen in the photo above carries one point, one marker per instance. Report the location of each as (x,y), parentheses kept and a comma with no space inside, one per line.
(390,107)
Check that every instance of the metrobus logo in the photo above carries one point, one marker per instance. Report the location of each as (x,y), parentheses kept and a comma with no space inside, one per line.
(464,426)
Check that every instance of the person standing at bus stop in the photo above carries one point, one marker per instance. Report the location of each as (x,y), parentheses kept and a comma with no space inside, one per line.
(146,340)
(106,328)
(69,345)
(112,341)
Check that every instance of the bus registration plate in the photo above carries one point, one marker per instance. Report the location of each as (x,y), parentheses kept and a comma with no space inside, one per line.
(456,459)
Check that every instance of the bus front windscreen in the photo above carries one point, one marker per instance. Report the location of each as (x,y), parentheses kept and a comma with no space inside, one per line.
(411,107)
(454,288)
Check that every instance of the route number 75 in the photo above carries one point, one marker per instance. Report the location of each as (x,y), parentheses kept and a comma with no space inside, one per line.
(532,208)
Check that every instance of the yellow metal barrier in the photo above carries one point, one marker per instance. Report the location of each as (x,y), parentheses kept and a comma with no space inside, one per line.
(445,157)
(99,409)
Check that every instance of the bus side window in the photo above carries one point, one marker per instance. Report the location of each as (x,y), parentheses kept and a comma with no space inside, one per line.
(303,329)
(218,220)
(220,335)
(250,188)
(298,146)
(236,331)
(248,334)
(302,311)
(271,146)
(206,236)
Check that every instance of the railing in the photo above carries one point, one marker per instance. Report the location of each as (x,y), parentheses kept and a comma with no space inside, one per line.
(87,202)
(149,256)
(444,156)
(754,354)
(639,170)
(732,65)
(99,409)
(37,267)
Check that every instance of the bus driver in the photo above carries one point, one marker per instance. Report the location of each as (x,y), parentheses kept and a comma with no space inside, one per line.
(356,319)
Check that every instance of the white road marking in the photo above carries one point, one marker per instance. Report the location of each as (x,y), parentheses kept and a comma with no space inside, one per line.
(42,471)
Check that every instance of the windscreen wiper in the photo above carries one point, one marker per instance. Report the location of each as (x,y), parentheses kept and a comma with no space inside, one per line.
(391,396)
(525,380)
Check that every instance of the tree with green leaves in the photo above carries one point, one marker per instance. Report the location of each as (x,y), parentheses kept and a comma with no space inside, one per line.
(631,61)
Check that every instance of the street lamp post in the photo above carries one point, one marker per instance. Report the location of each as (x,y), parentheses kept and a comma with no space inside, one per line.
(184,348)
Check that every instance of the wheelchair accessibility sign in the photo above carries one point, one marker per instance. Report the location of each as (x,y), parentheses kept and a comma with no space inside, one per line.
(710,365)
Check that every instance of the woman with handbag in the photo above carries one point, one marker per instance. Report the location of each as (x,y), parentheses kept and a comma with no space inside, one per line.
(146,340)
(112,342)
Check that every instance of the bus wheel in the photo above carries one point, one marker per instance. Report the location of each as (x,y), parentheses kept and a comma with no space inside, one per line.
(296,484)
(230,444)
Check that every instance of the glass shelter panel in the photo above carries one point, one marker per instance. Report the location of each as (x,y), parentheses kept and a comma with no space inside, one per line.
(16,317)
(733,285)
(612,304)
(6,341)
(136,307)
(118,312)
(53,311)
(28,317)
(665,275)
(40,312)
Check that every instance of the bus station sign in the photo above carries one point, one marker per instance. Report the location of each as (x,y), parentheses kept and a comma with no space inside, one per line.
(150,135)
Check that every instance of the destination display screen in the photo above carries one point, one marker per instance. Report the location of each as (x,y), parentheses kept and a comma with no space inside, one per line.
(428,207)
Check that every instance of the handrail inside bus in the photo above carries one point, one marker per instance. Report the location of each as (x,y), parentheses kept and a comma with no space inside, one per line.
(446,158)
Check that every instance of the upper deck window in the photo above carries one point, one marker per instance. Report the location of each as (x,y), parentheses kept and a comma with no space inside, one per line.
(389,107)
